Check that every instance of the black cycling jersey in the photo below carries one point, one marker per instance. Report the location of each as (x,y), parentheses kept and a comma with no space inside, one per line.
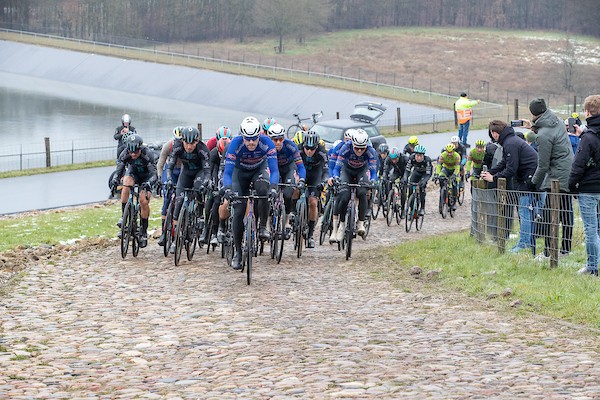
(142,166)
(196,161)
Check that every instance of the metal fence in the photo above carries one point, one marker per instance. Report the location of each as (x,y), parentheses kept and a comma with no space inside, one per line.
(545,226)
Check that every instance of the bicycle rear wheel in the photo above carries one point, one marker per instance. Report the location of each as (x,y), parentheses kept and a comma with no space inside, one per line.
(191,238)
(168,228)
(419,218)
(326,222)
(249,247)
(125,230)
(390,207)
(135,234)
(300,227)
(292,129)
(411,212)
(280,232)
(180,234)
(209,226)
(376,199)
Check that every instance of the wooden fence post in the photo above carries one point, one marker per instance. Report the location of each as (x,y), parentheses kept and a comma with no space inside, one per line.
(502,221)
(47,144)
(200,130)
(399,119)
(554,218)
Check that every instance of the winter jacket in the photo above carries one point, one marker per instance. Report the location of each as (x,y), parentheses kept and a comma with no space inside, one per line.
(585,174)
(555,155)
(519,160)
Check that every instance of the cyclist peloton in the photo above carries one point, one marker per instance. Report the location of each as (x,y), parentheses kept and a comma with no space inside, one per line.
(222,132)
(214,206)
(290,163)
(161,171)
(122,132)
(251,158)
(141,170)
(410,146)
(475,160)
(314,157)
(394,169)
(195,167)
(418,171)
(355,160)
(448,166)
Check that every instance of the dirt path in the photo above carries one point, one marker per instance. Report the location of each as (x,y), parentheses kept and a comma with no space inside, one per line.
(95,326)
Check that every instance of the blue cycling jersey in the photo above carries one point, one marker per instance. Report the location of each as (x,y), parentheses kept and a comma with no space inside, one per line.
(348,158)
(332,154)
(289,154)
(238,156)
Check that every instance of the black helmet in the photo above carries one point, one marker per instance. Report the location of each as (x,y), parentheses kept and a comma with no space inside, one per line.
(190,134)
(134,143)
(311,139)
(384,148)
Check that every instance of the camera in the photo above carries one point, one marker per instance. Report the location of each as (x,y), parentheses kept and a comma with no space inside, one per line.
(515,123)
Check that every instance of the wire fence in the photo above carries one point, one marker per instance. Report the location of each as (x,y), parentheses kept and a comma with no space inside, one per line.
(545,225)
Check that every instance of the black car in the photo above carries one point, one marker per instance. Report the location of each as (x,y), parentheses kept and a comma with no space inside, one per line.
(364,116)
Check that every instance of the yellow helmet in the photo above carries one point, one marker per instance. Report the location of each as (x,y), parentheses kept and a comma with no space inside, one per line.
(449,147)
(298,138)
(177,132)
(413,140)
(479,143)
(575,115)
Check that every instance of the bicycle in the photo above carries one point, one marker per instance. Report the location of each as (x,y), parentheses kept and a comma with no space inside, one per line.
(413,208)
(277,223)
(189,225)
(394,203)
(227,244)
(168,227)
(327,218)
(379,199)
(447,199)
(350,224)
(460,198)
(208,221)
(300,227)
(292,129)
(250,238)
(131,222)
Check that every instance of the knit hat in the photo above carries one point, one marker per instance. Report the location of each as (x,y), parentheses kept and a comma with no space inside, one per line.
(537,106)
(463,94)
(530,137)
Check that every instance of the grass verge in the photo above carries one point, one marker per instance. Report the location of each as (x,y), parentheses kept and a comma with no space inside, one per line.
(64,225)
(481,272)
(58,168)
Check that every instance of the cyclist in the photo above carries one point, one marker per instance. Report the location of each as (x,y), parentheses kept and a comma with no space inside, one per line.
(267,124)
(161,171)
(336,149)
(355,159)
(195,167)
(418,170)
(223,131)
(410,146)
(251,158)
(141,170)
(394,169)
(475,160)
(314,157)
(461,149)
(122,132)
(382,153)
(448,165)
(290,163)
(214,206)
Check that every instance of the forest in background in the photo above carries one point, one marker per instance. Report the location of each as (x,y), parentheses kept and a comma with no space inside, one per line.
(168,21)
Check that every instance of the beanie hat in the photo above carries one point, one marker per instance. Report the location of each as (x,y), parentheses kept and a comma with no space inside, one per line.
(530,137)
(463,94)
(537,106)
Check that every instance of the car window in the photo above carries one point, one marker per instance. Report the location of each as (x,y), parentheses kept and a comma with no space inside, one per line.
(371,130)
(328,134)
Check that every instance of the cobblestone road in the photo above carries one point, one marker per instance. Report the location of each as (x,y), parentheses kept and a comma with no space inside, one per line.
(95,326)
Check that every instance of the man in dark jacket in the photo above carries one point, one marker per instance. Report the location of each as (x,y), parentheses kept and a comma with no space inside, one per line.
(519,162)
(555,158)
(585,179)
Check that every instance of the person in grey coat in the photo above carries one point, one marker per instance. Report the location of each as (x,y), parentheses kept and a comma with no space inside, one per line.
(555,159)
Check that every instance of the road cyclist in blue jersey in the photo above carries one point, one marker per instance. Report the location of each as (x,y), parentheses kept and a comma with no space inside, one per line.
(290,164)
(195,167)
(137,162)
(356,163)
(251,158)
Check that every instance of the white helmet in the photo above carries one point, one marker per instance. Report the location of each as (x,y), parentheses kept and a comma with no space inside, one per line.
(125,119)
(349,133)
(276,131)
(360,138)
(454,139)
(250,127)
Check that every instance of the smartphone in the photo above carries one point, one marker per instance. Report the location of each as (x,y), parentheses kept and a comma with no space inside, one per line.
(515,123)
(571,126)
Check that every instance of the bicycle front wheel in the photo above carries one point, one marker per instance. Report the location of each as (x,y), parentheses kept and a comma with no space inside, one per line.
(377,198)
(444,201)
(249,247)
(326,222)
(126,230)
(419,218)
(391,202)
(192,233)
(411,212)
(300,226)
(135,234)
(349,232)
(180,234)
(168,229)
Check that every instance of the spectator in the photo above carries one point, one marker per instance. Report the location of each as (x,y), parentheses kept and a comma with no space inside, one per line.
(519,161)
(555,158)
(530,137)
(464,114)
(573,138)
(585,179)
